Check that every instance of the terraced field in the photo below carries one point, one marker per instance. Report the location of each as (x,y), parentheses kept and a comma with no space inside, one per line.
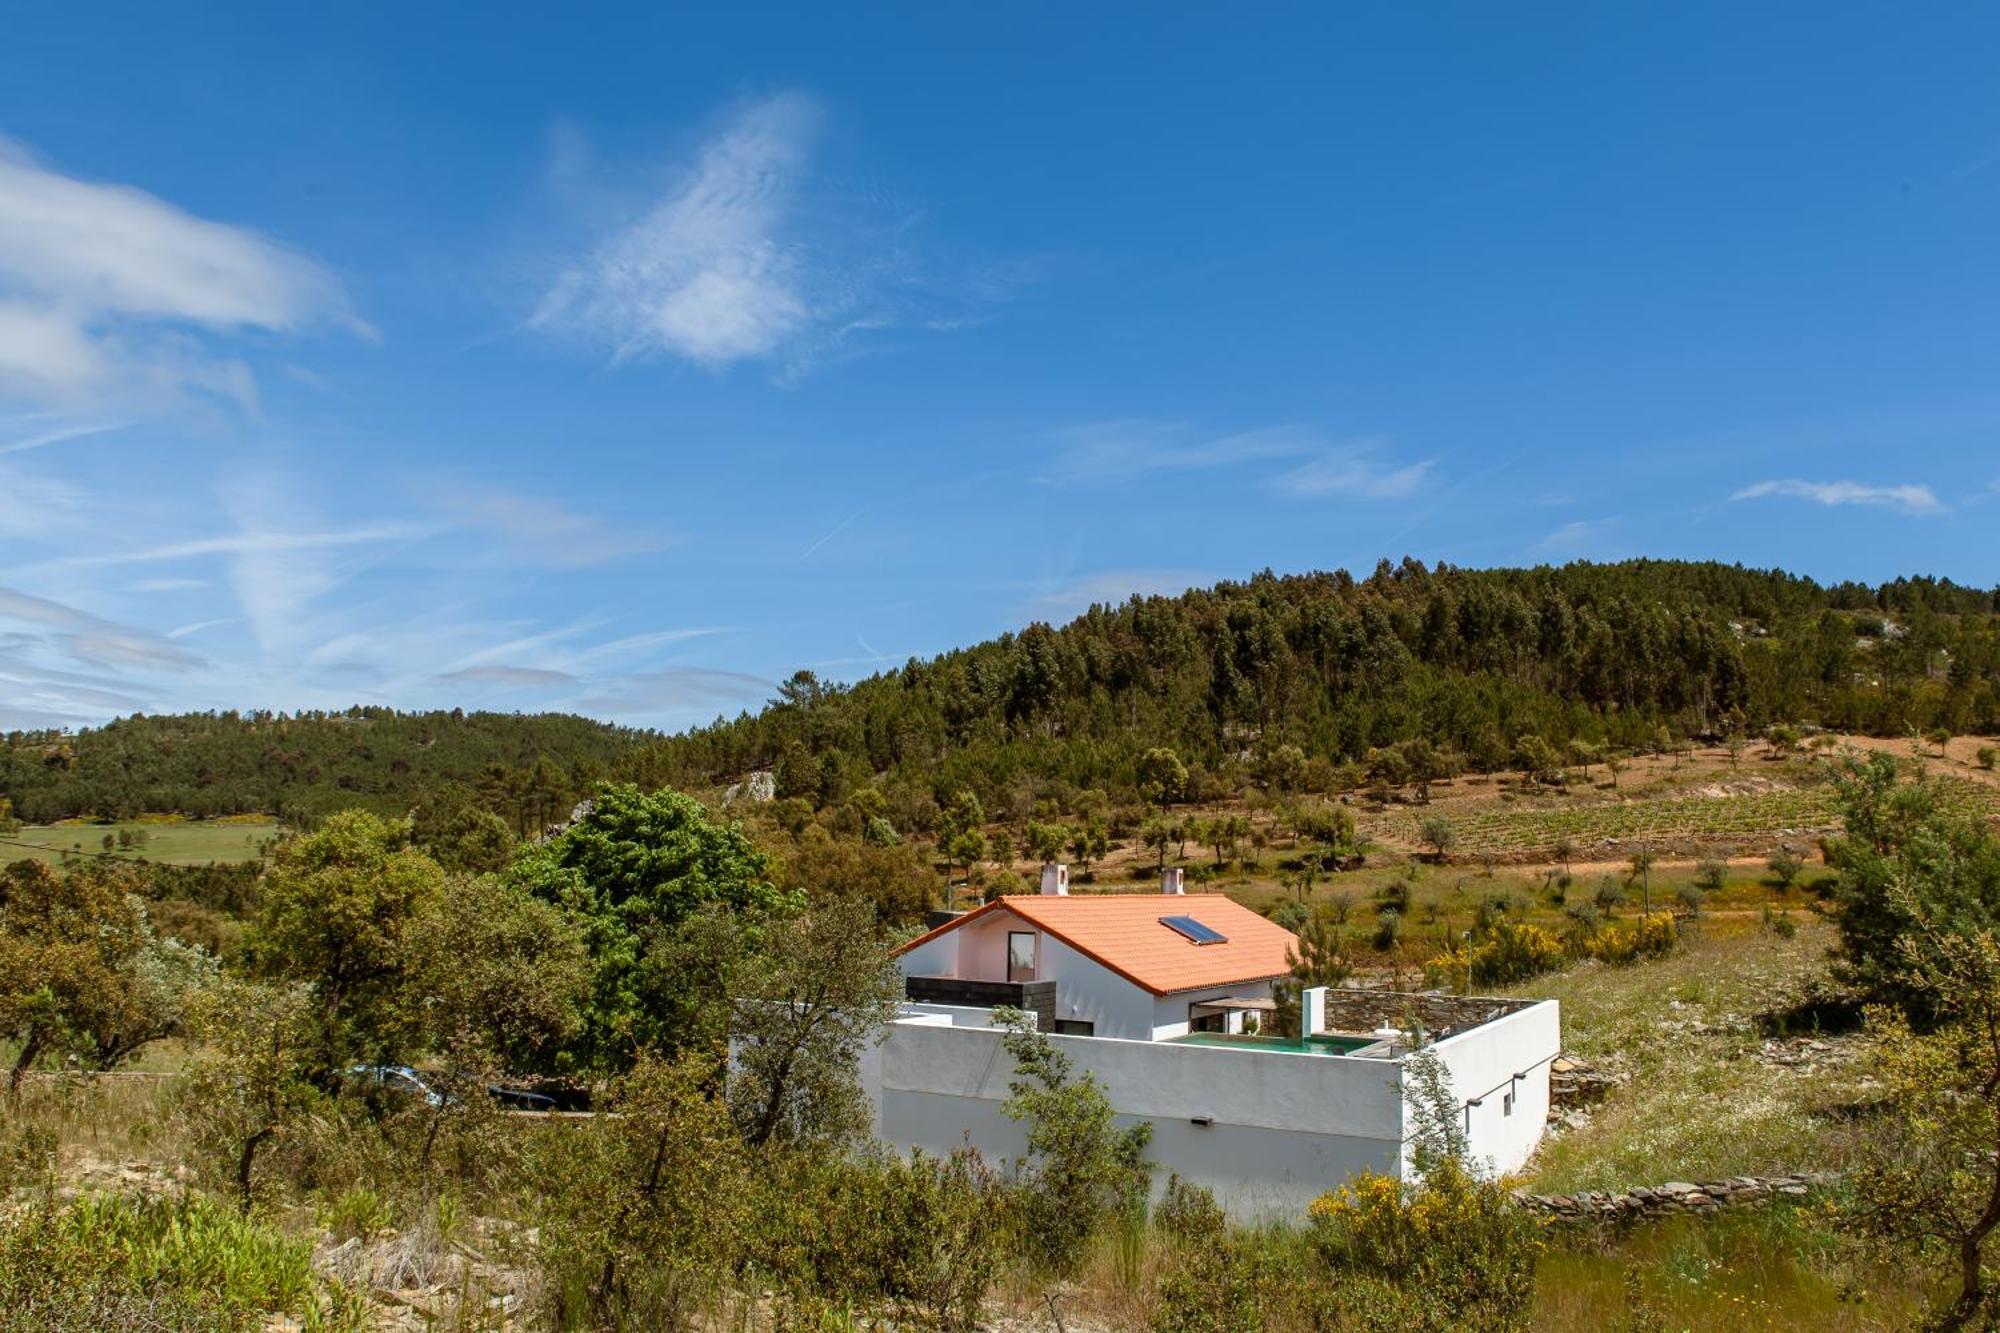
(1744,818)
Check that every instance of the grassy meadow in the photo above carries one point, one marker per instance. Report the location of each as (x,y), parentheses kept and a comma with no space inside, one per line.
(181,842)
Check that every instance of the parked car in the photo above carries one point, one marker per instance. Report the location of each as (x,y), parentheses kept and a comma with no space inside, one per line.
(396,1080)
(403,1081)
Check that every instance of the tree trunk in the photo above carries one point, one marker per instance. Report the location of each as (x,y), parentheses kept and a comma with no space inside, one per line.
(244,1162)
(31,1047)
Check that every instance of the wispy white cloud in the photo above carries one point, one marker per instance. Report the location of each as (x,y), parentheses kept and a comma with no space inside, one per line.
(709,273)
(542,531)
(508,675)
(1355,471)
(108,293)
(47,436)
(1577,535)
(1110,587)
(1106,451)
(92,639)
(1907,499)
(643,693)
(261,543)
(1113,451)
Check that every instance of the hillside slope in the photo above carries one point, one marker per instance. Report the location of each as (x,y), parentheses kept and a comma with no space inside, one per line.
(1470,661)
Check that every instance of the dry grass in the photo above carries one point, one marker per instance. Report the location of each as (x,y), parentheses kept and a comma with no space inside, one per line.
(1701,1099)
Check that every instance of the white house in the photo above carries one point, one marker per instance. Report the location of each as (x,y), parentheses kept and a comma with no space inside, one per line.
(1154,995)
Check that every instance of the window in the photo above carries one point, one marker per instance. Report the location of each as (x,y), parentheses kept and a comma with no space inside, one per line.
(1075,1027)
(1020,955)
(1194,930)
(1208,1022)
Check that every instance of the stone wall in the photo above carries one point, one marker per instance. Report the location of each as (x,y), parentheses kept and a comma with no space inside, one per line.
(1367,1010)
(1678,1196)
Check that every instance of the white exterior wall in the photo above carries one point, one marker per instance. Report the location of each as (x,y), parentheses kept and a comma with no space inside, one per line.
(1483,1061)
(1281,1127)
(935,958)
(1092,992)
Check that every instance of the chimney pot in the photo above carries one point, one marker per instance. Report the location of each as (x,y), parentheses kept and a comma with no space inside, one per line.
(1055,879)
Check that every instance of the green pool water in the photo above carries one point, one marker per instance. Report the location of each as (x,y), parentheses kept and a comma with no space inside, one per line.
(1311,1046)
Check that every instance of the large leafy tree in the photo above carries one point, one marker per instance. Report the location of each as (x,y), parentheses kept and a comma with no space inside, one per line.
(1905,862)
(664,895)
(344,907)
(81,972)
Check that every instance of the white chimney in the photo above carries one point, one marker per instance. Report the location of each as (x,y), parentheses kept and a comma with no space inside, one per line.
(1172,880)
(1312,1010)
(1055,879)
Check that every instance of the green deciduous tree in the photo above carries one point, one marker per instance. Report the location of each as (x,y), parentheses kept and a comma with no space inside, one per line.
(343,910)
(819,990)
(633,874)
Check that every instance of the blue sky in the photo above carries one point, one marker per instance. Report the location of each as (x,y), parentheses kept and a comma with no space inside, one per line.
(625,362)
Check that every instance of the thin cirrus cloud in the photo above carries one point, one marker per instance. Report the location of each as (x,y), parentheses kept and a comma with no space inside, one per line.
(1314,467)
(108,293)
(509,675)
(542,531)
(713,271)
(1905,499)
(1356,471)
(1577,535)
(89,638)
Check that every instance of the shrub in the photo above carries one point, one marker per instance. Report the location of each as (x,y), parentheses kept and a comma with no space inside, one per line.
(1081,1173)
(1452,1252)
(1785,865)
(914,1239)
(1509,952)
(642,1212)
(1710,873)
(1388,929)
(1215,1281)
(1647,936)
(116,1262)
(1987,755)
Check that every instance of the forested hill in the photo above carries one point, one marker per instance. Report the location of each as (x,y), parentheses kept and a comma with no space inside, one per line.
(1470,662)
(307,764)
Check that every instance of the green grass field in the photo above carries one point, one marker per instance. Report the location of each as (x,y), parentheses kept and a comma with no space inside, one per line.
(173,842)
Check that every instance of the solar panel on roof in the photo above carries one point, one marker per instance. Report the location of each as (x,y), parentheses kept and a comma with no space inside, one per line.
(1194,930)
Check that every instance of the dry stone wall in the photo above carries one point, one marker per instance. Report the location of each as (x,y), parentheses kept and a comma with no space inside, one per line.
(1677,1196)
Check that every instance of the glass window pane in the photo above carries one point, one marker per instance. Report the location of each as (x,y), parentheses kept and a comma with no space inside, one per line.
(1020,955)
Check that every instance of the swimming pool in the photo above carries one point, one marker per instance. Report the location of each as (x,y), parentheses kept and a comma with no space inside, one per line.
(1318,1045)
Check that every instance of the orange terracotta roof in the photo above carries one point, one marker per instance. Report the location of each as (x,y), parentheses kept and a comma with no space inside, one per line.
(1123,932)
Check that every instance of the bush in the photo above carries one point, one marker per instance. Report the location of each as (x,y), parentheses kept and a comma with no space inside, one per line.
(118,1262)
(912,1239)
(1785,866)
(1710,873)
(1388,929)
(1081,1174)
(1452,1252)
(1215,1281)
(1987,755)
(1647,936)
(1508,953)
(642,1212)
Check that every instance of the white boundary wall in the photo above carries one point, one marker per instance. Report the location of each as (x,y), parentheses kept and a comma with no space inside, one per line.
(1267,1131)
